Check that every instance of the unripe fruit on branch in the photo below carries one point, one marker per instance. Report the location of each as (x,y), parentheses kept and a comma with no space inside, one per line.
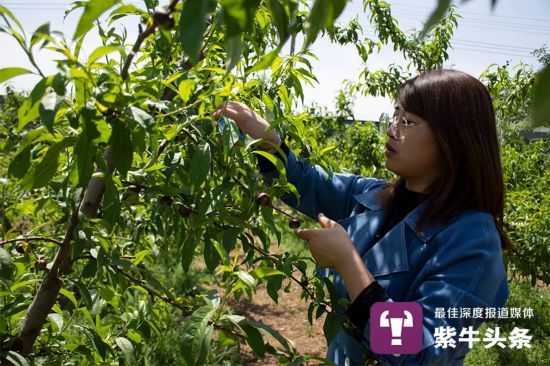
(263,199)
(21,248)
(166,200)
(163,18)
(40,264)
(134,188)
(294,223)
(184,211)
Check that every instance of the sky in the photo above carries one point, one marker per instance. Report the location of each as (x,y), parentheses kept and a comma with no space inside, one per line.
(485,36)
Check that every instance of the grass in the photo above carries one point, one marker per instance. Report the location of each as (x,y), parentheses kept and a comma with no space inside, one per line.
(522,295)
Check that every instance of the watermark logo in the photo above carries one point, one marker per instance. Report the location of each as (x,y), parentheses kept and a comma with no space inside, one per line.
(396,327)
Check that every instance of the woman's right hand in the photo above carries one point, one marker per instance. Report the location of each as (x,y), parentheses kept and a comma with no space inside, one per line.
(248,122)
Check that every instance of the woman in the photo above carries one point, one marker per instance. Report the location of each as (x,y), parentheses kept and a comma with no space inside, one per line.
(434,236)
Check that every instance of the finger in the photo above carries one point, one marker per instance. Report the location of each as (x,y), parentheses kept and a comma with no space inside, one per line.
(305,234)
(219,110)
(313,254)
(301,233)
(226,109)
(325,221)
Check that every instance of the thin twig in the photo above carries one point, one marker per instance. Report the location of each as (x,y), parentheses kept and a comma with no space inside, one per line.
(153,292)
(141,37)
(310,293)
(31,238)
(283,212)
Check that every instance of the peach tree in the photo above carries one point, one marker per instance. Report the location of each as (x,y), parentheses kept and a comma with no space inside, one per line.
(116,161)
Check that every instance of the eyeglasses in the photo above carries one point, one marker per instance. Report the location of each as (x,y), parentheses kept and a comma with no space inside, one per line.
(399,123)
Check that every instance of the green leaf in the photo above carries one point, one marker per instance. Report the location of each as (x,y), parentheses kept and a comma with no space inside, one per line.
(90,269)
(273,286)
(46,169)
(322,15)
(5,11)
(42,32)
(48,109)
(139,256)
(57,320)
(332,326)
(247,279)
(541,100)
(234,46)
(127,349)
(92,12)
(16,359)
(187,252)
(288,345)
(142,118)
(111,201)
(6,265)
(281,19)
(29,110)
(100,346)
(11,72)
(230,239)
(263,272)
(193,25)
(200,165)
(185,89)
(310,312)
(274,160)
(435,16)
(19,166)
(121,142)
(85,149)
(102,51)
(128,9)
(267,216)
(265,62)
(196,335)
(238,15)
(211,255)
(58,84)
(253,338)
(85,294)
(69,296)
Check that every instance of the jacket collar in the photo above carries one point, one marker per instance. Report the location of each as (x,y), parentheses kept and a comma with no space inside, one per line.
(370,199)
(372,202)
(429,231)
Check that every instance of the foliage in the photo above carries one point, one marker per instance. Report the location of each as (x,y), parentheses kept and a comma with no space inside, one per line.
(139,143)
(420,53)
(351,146)
(527,215)
(523,296)
(123,196)
(541,105)
(526,168)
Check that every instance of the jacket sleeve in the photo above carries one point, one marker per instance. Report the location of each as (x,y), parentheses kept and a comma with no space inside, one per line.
(318,192)
(466,272)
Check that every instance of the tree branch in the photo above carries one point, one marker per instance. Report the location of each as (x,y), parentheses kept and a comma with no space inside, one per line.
(31,238)
(141,37)
(96,188)
(47,294)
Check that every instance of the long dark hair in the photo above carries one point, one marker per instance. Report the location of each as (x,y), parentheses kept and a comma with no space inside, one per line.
(460,112)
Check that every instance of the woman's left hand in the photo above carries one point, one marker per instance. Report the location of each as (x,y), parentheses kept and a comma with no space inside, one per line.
(330,246)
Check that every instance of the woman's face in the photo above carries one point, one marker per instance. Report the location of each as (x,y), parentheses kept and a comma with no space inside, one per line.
(411,150)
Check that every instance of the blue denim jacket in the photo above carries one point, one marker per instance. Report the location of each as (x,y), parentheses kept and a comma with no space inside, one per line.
(458,265)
